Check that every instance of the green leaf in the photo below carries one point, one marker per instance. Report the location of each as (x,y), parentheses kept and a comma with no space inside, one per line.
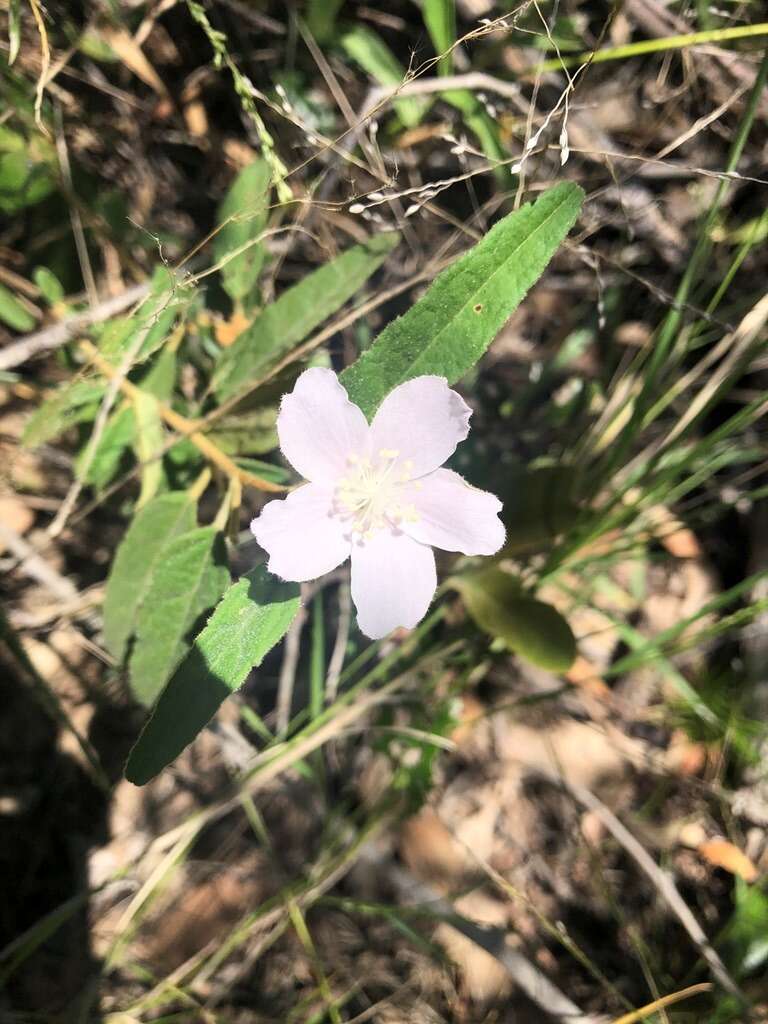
(75,402)
(297,312)
(251,433)
(153,320)
(251,618)
(13,313)
(243,216)
(538,505)
(116,439)
(138,556)
(148,443)
(321,18)
(188,582)
(24,180)
(50,287)
(440,19)
(532,629)
(448,330)
(266,470)
(160,378)
(745,937)
(373,55)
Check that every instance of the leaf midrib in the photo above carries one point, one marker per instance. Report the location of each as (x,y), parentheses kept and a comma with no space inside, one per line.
(488,280)
(194,594)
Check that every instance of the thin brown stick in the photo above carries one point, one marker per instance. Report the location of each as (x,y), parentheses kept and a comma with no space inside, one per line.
(493,940)
(59,334)
(32,563)
(660,879)
(336,662)
(186,427)
(78,232)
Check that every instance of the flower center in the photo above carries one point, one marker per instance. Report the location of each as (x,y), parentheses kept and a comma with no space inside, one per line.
(368,497)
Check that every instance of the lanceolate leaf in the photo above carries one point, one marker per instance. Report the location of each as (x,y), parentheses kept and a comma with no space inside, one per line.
(119,435)
(148,444)
(531,628)
(297,313)
(190,578)
(373,55)
(152,322)
(116,439)
(13,313)
(452,326)
(72,403)
(251,618)
(139,554)
(243,216)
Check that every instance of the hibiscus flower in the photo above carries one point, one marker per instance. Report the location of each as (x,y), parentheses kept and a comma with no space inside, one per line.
(376,493)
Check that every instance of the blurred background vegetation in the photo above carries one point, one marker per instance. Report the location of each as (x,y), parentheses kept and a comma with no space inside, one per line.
(526,810)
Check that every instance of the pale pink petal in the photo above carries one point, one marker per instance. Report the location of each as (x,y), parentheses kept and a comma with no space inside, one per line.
(452,515)
(319,427)
(393,582)
(422,420)
(300,536)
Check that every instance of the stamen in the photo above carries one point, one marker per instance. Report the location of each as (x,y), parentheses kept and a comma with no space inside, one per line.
(367,496)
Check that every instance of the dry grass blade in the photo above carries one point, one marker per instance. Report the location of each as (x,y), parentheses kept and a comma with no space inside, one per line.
(660,879)
(59,334)
(659,1004)
(539,989)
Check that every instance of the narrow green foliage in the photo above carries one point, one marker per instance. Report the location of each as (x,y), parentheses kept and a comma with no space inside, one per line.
(534,630)
(28,170)
(250,433)
(297,312)
(50,287)
(148,444)
(147,330)
(243,217)
(137,558)
(13,313)
(746,935)
(449,329)
(160,379)
(368,49)
(189,579)
(321,18)
(251,618)
(116,439)
(72,403)
(440,19)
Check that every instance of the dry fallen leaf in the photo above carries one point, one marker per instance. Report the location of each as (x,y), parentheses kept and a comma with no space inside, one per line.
(722,854)
(583,673)
(15,515)
(133,57)
(228,330)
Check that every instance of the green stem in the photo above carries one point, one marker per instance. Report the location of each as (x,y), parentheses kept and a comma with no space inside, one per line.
(717,35)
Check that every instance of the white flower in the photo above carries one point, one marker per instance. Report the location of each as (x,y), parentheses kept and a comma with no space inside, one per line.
(375,492)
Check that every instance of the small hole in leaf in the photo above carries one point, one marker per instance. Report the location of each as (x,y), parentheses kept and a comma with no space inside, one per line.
(478,308)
